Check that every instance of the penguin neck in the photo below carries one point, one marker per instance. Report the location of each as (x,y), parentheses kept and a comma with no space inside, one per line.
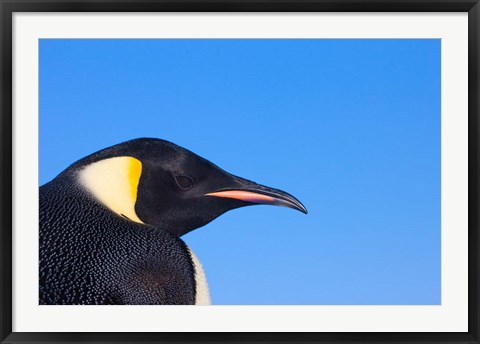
(202,293)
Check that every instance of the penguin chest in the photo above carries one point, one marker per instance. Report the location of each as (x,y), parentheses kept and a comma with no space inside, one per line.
(202,293)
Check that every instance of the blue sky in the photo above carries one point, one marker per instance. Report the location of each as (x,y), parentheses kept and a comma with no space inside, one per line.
(350,127)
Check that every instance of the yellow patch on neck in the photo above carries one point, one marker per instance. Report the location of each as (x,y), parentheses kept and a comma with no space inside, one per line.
(114,182)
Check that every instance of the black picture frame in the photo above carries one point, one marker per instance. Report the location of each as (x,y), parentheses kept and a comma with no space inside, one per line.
(8,7)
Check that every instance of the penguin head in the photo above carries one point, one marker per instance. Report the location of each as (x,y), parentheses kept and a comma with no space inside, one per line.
(158,183)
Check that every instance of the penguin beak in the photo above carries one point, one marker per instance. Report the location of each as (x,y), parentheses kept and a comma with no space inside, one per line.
(258,194)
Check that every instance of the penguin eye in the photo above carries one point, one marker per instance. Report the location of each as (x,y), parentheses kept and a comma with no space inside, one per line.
(184,182)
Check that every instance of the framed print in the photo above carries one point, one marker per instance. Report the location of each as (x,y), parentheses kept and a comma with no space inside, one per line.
(239,171)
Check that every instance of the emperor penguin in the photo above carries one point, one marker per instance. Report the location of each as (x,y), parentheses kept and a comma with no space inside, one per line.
(110,224)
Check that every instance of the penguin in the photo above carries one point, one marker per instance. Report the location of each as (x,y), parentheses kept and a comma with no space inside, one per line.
(111,224)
